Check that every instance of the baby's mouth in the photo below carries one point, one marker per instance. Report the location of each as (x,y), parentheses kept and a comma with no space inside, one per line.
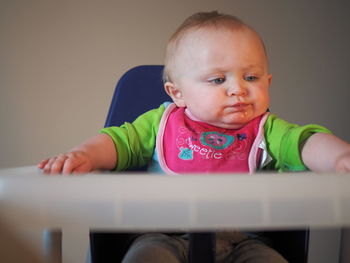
(239,104)
(238,107)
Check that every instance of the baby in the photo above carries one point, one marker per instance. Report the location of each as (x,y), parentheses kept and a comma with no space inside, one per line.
(216,72)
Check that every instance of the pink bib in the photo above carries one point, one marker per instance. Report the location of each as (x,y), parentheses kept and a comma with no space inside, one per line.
(190,146)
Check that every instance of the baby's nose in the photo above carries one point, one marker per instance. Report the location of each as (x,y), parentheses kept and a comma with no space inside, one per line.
(237,89)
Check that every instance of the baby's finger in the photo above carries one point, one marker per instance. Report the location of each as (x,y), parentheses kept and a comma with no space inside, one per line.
(70,164)
(48,165)
(343,168)
(57,165)
(343,163)
(43,163)
(82,168)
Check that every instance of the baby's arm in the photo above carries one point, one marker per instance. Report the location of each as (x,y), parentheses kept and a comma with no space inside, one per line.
(96,153)
(324,152)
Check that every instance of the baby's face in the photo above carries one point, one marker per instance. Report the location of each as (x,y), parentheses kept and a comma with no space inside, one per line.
(222,76)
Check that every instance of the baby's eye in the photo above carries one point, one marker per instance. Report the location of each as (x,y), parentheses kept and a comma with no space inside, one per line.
(218,80)
(250,78)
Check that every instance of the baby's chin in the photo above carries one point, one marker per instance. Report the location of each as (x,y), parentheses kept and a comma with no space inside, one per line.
(240,119)
(232,126)
(234,123)
(229,125)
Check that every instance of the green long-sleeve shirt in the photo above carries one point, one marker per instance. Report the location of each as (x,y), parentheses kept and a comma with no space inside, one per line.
(135,142)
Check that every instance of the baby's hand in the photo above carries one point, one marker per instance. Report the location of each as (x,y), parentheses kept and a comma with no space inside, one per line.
(343,163)
(72,162)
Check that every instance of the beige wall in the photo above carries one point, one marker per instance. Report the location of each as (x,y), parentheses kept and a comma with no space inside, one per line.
(60,60)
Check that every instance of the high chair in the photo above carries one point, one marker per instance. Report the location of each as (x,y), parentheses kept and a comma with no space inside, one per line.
(139,90)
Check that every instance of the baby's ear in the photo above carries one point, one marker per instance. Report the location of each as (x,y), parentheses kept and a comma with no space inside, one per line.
(269,78)
(175,93)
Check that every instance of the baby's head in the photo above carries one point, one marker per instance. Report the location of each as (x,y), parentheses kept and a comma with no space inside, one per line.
(216,66)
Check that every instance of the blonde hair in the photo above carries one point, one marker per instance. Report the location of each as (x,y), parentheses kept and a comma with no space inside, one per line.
(197,21)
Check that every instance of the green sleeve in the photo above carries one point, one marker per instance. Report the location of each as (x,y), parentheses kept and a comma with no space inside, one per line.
(285,141)
(135,142)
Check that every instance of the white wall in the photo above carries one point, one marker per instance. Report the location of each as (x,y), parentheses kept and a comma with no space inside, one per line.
(60,60)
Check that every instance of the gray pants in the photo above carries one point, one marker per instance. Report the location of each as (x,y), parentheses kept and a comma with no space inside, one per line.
(231,247)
